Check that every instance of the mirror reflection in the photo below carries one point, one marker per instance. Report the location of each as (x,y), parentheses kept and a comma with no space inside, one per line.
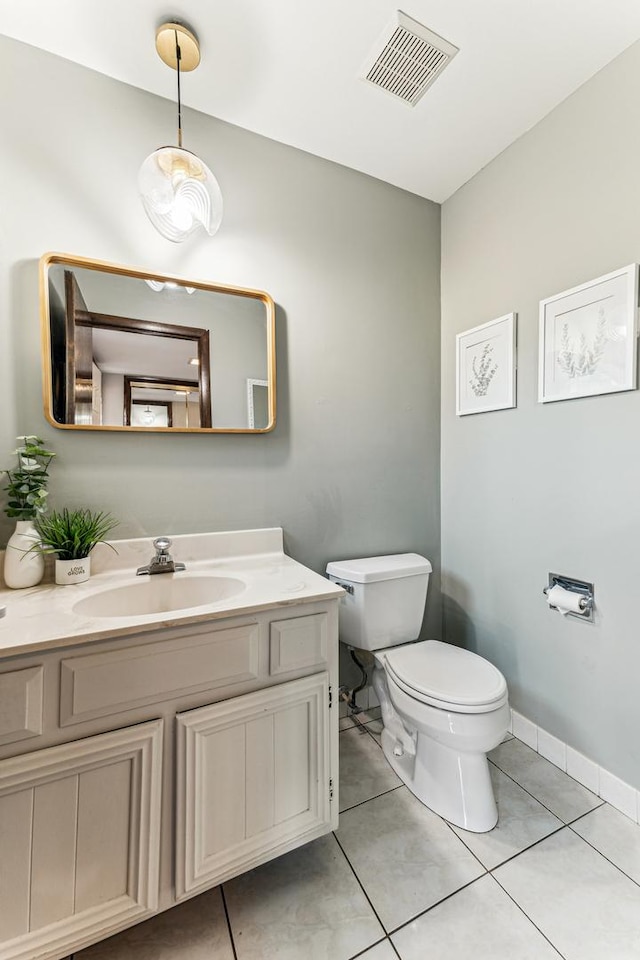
(129,350)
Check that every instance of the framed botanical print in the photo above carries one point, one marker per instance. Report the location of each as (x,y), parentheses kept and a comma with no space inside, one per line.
(486,367)
(588,338)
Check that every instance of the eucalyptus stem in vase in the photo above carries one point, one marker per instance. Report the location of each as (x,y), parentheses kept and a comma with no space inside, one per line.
(27,499)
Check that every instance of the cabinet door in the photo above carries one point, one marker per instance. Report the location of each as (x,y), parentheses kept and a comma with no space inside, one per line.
(79,841)
(253,780)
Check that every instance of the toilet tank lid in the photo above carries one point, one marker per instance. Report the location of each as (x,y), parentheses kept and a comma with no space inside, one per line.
(369,569)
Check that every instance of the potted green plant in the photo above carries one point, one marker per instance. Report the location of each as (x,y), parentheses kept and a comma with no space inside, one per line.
(71,535)
(27,499)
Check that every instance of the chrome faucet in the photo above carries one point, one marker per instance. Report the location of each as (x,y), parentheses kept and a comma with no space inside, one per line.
(163,562)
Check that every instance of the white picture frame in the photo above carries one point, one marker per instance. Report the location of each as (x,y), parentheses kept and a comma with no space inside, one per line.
(588,338)
(251,401)
(486,367)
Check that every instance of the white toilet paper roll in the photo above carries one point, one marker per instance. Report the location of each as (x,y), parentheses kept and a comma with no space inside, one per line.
(565,601)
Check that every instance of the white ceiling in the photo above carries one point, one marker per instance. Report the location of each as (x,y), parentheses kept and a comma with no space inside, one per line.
(139,355)
(289,69)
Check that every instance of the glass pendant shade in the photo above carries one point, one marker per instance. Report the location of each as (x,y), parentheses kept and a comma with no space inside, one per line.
(179,193)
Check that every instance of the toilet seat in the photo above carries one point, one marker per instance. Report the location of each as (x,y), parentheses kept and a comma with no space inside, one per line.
(446,677)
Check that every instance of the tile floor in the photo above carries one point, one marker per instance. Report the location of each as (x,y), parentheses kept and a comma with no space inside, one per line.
(558,877)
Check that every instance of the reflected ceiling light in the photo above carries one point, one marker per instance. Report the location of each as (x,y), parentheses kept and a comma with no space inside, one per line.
(148,416)
(179,192)
(159,285)
(193,362)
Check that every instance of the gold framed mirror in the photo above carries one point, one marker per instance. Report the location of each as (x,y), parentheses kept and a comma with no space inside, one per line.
(126,349)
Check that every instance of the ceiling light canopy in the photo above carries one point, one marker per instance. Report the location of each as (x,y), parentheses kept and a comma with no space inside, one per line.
(179,192)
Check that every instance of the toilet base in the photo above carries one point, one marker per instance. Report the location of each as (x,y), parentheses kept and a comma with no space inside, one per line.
(457,786)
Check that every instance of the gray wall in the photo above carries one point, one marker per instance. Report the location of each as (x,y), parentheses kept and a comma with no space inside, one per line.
(353,265)
(551,487)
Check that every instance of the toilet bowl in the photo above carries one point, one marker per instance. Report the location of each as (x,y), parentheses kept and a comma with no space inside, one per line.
(453,708)
(443,707)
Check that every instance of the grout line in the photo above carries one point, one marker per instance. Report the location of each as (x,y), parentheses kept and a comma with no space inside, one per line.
(359,723)
(474,855)
(362,953)
(603,855)
(379,745)
(513,856)
(374,797)
(538,800)
(226,913)
(528,792)
(563,826)
(533,924)
(437,903)
(375,912)
(395,949)
(359,727)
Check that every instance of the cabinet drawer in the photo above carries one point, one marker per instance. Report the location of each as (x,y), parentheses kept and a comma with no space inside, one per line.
(101,684)
(298,643)
(20,704)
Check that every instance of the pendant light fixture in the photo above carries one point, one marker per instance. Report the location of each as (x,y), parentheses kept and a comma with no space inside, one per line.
(179,192)
(147,416)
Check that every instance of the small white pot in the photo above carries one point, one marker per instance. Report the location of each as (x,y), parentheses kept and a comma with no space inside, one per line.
(73,571)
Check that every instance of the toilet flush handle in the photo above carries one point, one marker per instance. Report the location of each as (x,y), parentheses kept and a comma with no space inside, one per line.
(345,586)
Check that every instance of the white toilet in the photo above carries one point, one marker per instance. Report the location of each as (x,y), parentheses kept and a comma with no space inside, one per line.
(443,707)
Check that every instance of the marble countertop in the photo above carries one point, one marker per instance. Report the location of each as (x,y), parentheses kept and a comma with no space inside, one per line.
(43,617)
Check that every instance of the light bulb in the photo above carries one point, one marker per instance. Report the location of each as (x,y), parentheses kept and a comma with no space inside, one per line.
(179,193)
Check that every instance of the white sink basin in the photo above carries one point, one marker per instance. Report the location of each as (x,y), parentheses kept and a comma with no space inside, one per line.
(161,593)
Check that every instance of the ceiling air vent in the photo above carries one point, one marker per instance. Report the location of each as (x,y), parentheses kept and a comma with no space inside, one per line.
(407,59)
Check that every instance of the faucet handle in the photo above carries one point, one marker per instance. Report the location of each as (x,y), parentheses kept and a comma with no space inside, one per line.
(162,545)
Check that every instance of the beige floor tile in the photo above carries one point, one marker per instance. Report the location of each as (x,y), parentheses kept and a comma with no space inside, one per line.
(562,795)
(194,930)
(405,856)
(580,901)
(615,836)
(306,905)
(364,771)
(479,922)
(522,821)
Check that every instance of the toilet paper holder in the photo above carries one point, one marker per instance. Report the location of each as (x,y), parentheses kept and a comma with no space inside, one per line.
(575,586)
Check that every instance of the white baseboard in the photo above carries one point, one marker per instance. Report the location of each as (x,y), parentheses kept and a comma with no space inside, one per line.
(619,794)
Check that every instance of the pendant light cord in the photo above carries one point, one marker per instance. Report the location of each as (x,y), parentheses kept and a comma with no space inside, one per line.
(178,59)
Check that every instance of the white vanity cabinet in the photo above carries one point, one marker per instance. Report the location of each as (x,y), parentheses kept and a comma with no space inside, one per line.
(141,770)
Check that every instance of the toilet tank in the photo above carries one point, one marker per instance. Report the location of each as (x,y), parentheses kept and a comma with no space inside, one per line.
(385,601)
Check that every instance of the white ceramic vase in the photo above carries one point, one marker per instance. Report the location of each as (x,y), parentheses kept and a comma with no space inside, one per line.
(73,571)
(21,567)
